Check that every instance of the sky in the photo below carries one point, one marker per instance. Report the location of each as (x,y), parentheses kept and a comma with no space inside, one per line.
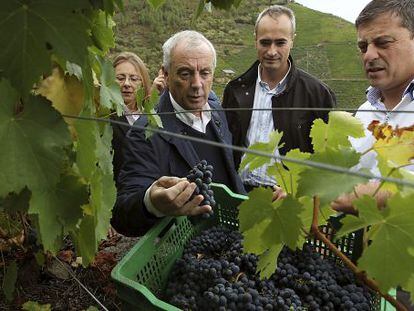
(347,9)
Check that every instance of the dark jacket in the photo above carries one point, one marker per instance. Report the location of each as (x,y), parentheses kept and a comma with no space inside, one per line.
(302,90)
(161,155)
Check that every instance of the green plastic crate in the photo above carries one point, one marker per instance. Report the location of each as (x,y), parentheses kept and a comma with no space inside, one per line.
(140,277)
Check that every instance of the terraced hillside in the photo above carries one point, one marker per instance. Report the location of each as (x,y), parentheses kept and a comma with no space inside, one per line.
(324,45)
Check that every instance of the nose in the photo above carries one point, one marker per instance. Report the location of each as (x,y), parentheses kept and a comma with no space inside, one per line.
(196,81)
(127,81)
(371,53)
(272,49)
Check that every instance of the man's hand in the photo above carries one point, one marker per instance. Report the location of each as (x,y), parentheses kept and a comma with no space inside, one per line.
(171,195)
(344,203)
(159,82)
(278,193)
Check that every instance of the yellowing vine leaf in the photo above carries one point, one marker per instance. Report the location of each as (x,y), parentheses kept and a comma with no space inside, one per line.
(396,150)
(30,31)
(64,91)
(341,125)
(33,137)
(253,161)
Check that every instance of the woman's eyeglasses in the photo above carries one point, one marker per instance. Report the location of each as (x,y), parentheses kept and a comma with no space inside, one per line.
(134,79)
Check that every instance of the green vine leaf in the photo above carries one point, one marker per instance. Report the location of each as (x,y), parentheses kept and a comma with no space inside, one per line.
(35,306)
(154,120)
(288,177)
(102,34)
(391,235)
(110,95)
(85,239)
(103,194)
(341,125)
(267,261)
(9,281)
(255,209)
(253,161)
(87,134)
(368,214)
(267,226)
(328,185)
(34,137)
(38,32)
(58,210)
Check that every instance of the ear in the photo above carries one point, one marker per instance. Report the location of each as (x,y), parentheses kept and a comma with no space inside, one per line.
(165,73)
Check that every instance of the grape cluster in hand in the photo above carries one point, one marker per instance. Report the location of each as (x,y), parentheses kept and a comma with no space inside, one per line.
(202,175)
(215,274)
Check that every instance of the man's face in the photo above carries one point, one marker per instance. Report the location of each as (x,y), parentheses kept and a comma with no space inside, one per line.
(387,52)
(274,39)
(190,75)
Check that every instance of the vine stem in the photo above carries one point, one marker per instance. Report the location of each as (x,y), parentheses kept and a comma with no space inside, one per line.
(361,275)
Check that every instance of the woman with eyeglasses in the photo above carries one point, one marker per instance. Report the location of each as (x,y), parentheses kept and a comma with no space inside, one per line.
(131,75)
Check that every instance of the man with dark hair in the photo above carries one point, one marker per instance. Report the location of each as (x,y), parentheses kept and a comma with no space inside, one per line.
(385,31)
(274,82)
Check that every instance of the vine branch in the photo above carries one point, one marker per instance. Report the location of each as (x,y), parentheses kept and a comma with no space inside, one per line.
(361,275)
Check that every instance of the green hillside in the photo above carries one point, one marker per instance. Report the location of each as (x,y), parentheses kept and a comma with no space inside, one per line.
(325,45)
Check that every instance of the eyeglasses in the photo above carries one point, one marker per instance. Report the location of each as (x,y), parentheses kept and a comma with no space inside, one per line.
(134,79)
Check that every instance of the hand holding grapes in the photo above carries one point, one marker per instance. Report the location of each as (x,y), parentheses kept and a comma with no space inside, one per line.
(171,196)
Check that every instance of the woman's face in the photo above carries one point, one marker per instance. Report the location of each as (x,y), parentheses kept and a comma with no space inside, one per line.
(129,80)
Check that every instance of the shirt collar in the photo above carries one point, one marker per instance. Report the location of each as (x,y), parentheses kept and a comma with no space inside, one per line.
(374,95)
(131,116)
(190,119)
(281,85)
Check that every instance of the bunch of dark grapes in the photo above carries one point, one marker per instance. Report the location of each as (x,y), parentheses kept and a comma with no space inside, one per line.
(215,274)
(202,176)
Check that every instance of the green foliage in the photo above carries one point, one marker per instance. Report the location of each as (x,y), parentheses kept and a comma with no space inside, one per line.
(34,138)
(391,236)
(9,281)
(35,306)
(58,210)
(289,178)
(39,31)
(336,133)
(268,226)
(252,161)
(110,94)
(327,184)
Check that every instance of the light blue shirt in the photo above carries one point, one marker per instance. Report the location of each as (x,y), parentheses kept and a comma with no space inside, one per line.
(261,125)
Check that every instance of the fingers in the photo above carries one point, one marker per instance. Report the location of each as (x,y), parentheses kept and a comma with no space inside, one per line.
(168,181)
(278,193)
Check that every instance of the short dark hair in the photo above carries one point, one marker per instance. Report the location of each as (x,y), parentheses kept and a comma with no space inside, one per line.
(402,8)
(274,11)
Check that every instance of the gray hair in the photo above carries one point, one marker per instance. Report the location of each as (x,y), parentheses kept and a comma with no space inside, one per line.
(402,8)
(275,11)
(192,38)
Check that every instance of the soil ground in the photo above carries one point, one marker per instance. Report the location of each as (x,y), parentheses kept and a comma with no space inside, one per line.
(53,283)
